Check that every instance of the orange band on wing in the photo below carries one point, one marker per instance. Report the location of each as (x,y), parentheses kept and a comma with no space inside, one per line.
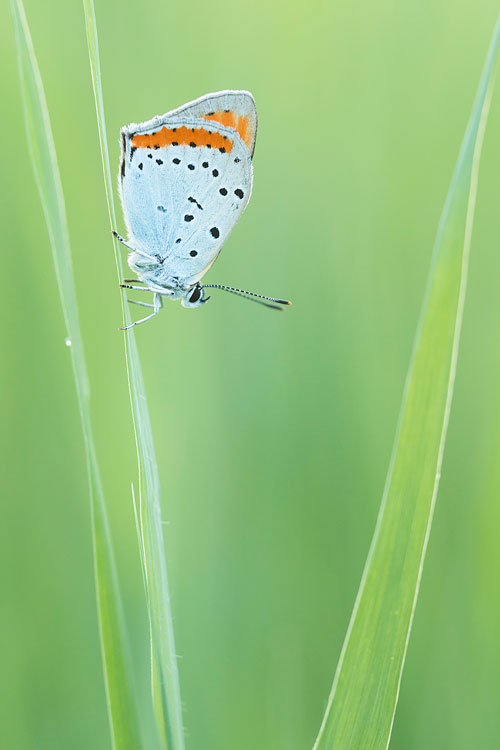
(229,119)
(182,137)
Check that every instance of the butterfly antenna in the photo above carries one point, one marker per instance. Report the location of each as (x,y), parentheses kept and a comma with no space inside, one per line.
(252,296)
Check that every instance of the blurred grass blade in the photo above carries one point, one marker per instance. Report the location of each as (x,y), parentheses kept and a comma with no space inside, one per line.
(363,699)
(164,673)
(117,671)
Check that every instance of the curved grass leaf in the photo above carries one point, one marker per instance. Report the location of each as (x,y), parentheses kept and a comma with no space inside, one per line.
(164,672)
(118,676)
(362,702)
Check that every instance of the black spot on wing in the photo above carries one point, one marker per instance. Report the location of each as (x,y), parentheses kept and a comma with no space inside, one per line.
(193,200)
(214,232)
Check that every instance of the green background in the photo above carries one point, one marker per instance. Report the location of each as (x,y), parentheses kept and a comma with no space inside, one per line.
(273,431)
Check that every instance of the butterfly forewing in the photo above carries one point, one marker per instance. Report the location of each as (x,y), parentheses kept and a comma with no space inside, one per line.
(235,109)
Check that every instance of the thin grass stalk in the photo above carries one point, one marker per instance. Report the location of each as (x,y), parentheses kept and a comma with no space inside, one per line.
(362,703)
(121,700)
(164,671)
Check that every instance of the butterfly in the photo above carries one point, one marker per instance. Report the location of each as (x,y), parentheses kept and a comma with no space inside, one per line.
(185,179)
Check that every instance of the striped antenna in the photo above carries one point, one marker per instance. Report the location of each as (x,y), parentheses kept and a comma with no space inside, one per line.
(252,296)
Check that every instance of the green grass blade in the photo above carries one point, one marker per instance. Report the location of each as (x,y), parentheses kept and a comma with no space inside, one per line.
(118,676)
(165,680)
(363,699)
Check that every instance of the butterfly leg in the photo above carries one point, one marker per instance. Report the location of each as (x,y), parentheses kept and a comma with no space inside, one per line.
(157,304)
(133,249)
(120,239)
(142,304)
(133,286)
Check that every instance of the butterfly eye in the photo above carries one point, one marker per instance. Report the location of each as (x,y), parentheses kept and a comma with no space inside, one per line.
(195,295)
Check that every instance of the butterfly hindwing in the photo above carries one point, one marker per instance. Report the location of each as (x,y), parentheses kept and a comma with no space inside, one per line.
(185,180)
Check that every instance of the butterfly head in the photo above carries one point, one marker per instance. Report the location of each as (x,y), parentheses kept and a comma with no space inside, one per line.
(194,297)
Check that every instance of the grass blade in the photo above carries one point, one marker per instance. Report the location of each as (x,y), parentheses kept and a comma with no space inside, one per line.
(118,676)
(363,699)
(165,680)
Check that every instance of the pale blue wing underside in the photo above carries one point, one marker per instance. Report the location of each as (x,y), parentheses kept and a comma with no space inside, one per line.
(181,202)
(241,102)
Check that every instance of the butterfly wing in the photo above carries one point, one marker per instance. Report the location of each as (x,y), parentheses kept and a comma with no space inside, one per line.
(185,179)
(234,109)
